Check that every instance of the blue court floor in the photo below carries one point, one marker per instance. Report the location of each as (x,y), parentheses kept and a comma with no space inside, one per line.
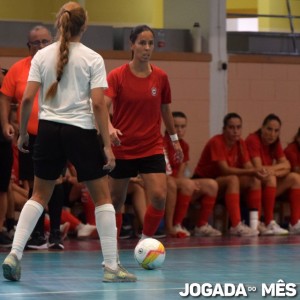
(211,265)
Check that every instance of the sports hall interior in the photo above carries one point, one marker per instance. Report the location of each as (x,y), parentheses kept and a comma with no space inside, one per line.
(205,86)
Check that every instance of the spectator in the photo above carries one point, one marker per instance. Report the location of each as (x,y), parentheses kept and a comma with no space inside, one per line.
(12,90)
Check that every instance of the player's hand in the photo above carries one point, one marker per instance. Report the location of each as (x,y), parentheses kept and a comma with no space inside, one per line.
(110,158)
(114,136)
(23,141)
(263,173)
(178,156)
(8,131)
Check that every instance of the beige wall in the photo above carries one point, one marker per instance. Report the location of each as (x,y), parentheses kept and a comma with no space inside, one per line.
(256,87)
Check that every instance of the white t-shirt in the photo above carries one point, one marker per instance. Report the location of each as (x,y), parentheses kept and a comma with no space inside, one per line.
(84,71)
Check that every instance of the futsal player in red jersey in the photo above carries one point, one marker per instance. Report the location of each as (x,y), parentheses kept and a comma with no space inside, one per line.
(266,152)
(292,153)
(187,190)
(226,159)
(140,95)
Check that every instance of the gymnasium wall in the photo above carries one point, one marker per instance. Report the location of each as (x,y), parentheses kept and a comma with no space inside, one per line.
(257,86)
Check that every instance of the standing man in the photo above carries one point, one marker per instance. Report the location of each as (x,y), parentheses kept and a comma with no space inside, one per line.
(12,89)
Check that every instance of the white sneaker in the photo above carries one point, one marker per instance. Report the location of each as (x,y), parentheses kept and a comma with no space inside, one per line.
(206,230)
(295,229)
(181,231)
(263,229)
(86,231)
(274,229)
(243,230)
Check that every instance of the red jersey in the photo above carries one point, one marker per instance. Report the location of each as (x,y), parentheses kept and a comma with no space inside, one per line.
(215,151)
(137,110)
(171,153)
(292,153)
(268,154)
(14,85)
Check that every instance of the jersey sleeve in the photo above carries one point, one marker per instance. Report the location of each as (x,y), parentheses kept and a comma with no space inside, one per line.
(253,146)
(34,72)
(98,74)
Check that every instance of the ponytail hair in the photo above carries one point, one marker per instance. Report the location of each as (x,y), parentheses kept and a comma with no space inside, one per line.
(70,22)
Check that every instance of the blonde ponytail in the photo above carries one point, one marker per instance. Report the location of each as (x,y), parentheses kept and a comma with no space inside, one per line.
(69,22)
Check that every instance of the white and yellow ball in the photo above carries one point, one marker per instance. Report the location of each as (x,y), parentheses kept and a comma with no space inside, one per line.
(150,253)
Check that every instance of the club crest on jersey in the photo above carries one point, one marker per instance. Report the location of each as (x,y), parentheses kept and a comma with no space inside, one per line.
(154,91)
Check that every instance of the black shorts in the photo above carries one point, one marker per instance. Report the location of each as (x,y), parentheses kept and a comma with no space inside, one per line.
(126,168)
(6,161)
(25,161)
(57,143)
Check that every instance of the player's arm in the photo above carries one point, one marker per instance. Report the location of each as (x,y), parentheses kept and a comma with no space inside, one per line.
(227,170)
(169,124)
(102,117)
(31,89)
(114,133)
(7,128)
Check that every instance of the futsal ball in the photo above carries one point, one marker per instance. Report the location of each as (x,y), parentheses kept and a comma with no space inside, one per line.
(150,253)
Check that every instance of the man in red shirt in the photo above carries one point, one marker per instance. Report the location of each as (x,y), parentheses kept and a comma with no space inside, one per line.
(225,158)
(12,89)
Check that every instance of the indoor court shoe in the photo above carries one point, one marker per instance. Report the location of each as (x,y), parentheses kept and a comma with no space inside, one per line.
(119,275)
(180,231)
(274,229)
(55,242)
(206,230)
(243,230)
(86,231)
(295,229)
(11,268)
(37,242)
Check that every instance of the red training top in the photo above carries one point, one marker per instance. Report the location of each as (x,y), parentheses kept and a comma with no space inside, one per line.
(292,153)
(216,150)
(268,154)
(14,85)
(137,110)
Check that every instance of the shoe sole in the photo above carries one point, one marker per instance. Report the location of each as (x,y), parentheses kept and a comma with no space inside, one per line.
(55,247)
(44,247)
(10,273)
(119,280)
(245,235)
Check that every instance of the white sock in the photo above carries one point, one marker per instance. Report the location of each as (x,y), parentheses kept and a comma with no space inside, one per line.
(29,216)
(107,230)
